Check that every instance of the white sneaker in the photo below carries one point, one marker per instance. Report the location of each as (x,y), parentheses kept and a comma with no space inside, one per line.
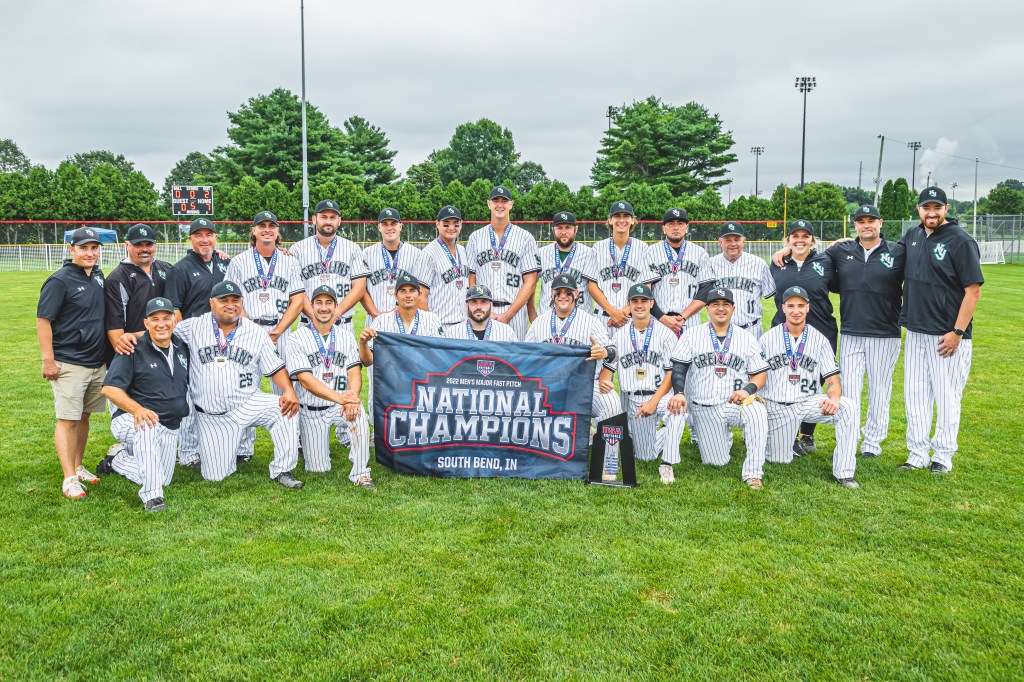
(86,476)
(668,475)
(72,488)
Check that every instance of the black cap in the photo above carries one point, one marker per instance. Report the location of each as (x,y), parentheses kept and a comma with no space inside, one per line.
(478,291)
(225,288)
(800,225)
(795,292)
(138,233)
(404,279)
(84,235)
(264,215)
(640,291)
(563,218)
(328,205)
(731,227)
(324,289)
(564,282)
(867,210)
(201,224)
(675,214)
(721,295)
(621,207)
(501,191)
(449,212)
(159,304)
(932,195)
(389,214)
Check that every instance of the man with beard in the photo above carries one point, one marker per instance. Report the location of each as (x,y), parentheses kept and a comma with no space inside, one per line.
(130,286)
(566,256)
(479,324)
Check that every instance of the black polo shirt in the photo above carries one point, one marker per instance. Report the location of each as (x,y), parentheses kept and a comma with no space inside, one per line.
(73,302)
(190,280)
(939,267)
(870,292)
(147,379)
(817,276)
(128,290)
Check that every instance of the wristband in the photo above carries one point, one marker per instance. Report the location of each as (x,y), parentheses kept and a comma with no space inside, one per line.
(750,388)
(959,332)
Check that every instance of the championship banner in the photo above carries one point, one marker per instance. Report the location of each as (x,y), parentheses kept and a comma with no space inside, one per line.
(468,409)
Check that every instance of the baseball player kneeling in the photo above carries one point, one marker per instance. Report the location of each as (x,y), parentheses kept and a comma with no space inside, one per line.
(719,367)
(645,373)
(148,389)
(800,360)
(228,354)
(324,360)
(567,324)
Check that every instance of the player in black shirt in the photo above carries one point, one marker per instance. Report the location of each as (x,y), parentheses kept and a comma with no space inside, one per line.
(131,285)
(190,279)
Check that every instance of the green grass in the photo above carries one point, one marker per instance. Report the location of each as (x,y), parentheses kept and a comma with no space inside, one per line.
(912,577)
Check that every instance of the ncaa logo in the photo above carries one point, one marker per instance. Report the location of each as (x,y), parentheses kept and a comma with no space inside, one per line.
(611,434)
(485,367)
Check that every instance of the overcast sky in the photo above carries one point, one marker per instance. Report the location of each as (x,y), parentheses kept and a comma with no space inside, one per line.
(153,80)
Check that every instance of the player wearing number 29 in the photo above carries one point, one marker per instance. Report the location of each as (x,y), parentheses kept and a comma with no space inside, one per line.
(941,290)
(746,276)
(503,258)
(800,360)
(716,370)
(227,355)
(323,359)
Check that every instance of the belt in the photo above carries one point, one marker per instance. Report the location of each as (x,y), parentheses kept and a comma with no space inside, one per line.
(212,414)
(500,304)
(310,408)
(748,326)
(642,392)
(266,321)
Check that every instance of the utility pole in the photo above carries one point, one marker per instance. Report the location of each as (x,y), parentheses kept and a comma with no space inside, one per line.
(878,177)
(860,174)
(914,146)
(804,84)
(928,182)
(305,159)
(757,152)
(974,227)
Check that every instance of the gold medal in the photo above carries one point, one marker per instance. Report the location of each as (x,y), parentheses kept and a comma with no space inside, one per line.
(641,373)
(220,361)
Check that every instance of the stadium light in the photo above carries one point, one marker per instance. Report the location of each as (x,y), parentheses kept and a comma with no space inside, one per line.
(305,161)
(913,177)
(757,152)
(804,84)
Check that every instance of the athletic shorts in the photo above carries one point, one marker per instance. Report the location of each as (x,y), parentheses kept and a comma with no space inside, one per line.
(77,390)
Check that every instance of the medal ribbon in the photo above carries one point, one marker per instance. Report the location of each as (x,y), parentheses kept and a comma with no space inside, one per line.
(325,260)
(268,277)
(457,264)
(326,353)
(795,358)
(222,348)
(555,336)
(564,267)
(472,335)
(648,335)
(621,267)
(675,260)
(496,247)
(723,349)
(390,266)
(401,325)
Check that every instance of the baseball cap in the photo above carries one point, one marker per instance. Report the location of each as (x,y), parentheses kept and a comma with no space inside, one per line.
(640,291)
(931,195)
(731,227)
(448,212)
(138,233)
(563,218)
(265,215)
(201,224)
(324,289)
(675,214)
(327,205)
(795,292)
(800,225)
(478,291)
(84,235)
(867,210)
(159,304)
(621,207)
(389,214)
(405,279)
(225,288)
(501,191)
(564,282)
(720,295)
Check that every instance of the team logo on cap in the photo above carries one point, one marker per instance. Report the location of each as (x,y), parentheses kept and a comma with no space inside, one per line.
(499,190)
(451,211)
(866,209)
(801,223)
(387,211)
(640,289)
(158,303)
(819,269)
(229,287)
(675,212)
(932,193)
(485,367)
(611,434)
(939,251)
(330,204)
(202,221)
(622,205)
(90,233)
(564,217)
(887,260)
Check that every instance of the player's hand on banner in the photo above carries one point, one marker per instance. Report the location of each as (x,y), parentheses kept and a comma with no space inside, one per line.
(829,406)
(781,254)
(126,344)
(948,345)
(145,419)
(289,404)
(597,351)
(677,404)
(738,397)
(50,371)
(606,386)
(367,334)
(647,408)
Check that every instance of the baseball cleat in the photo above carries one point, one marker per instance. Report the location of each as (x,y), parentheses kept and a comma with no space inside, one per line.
(907,466)
(848,483)
(668,475)
(85,475)
(288,481)
(106,465)
(344,439)
(194,464)
(156,505)
(72,488)
(938,468)
(804,445)
(869,454)
(365,481)
(242,459)
(754,484)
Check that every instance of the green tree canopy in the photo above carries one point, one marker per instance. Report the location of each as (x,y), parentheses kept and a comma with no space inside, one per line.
(12,159)
(424,176)
(87,162)
(528,174)
(480,150)
(188,171)
(1003,200)
(654,142)
(368,147)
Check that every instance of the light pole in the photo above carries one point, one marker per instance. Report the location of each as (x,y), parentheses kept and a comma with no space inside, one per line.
(913,146)
(305,163)
(804,84)
(952,202)
(878,176)
(757,152)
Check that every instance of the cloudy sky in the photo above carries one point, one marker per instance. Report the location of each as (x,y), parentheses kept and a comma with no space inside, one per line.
(153,80)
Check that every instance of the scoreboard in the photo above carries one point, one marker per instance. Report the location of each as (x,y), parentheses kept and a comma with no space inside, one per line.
(192,199)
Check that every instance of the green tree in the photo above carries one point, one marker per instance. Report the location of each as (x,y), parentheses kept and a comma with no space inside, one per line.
(244,200)
(70,192)
(424,176)
(12,159)
(480,150)
(475,202)
(139,199)
(528,174)
(456,194)
(705,206)
(12,195)
(887,206)
(586,205)
(904,199)
(39,191)
(88,162)
(1012,184)
(103,190)
(368,147)
(821,201)
(857,196)
(1003,200)
(654,142)
(284,204)
(185,172)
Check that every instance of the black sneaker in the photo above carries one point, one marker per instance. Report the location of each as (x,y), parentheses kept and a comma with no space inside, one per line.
(807,443)
(156,505)
(848,483)
(869,454)
(936,468)
(242,459)
(288,481)
(104,466)
(907,466)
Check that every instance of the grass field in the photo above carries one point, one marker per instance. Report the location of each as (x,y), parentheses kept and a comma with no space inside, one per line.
(913,577)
